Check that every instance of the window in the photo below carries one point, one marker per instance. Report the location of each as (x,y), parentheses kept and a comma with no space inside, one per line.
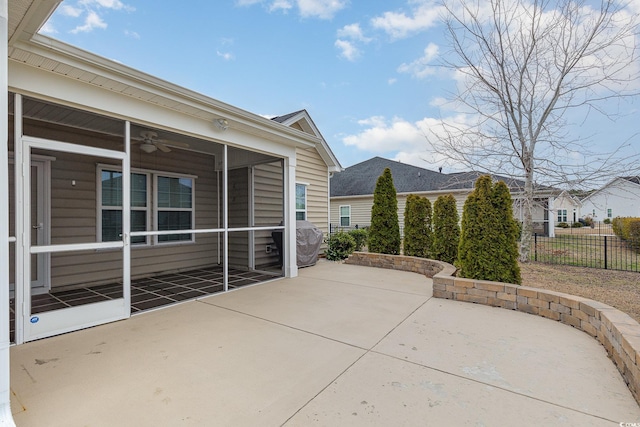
(609,213)
(345,216)
(562,215)
(173,208)
(301,202)
(111,205)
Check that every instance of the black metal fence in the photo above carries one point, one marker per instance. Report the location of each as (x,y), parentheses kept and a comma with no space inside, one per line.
(596,251)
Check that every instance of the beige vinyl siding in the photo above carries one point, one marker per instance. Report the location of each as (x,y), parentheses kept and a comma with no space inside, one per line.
(312,170)
(361,208)
(238,217)
(74,211)
(268,190)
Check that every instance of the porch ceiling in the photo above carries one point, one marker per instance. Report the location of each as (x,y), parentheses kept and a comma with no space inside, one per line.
(59,115)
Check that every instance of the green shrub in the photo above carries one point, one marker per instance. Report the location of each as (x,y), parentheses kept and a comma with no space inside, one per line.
(562,225)
(607,221)
(488,248)
(384,232)
(576,224)
(588,221)
(339,246)
(628,229)
(446,230)
(360,236)
(417,227)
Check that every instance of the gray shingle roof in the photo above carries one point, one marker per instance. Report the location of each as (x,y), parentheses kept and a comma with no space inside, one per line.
(282,119)
(360,179)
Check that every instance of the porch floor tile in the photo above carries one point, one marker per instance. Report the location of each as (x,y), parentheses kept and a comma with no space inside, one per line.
(149,292)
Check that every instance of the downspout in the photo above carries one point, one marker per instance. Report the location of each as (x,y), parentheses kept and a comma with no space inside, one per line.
(6,419)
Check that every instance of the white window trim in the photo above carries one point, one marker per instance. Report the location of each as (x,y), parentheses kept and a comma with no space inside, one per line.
(562,213)
(340,216)
(156,209)
(306,199)
(152,207)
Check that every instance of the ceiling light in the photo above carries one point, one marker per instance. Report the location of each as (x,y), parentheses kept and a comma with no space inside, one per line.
(222,124)
(148,148)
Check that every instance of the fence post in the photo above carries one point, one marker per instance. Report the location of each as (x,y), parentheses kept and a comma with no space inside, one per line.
(535,246)
(605,252)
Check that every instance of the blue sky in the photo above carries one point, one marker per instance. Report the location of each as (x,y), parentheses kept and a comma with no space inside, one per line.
(366,71)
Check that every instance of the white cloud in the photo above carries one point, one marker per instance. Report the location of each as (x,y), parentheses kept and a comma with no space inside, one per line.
(349,37)
(227,56)
(132,34)
(420,68)
(48,28)
(399,25)
(409,142)
(347,50)
(323,9)
(71,11)
(107,4)
(283,5)
(91,22)
(353,32)
(392,81)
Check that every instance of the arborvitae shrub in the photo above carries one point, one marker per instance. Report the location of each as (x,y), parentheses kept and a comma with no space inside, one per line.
(488,241)
(384,233)
(417,226)
(339,246)
(446,230)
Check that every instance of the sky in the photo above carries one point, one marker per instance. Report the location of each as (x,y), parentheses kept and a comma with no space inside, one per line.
(367,71)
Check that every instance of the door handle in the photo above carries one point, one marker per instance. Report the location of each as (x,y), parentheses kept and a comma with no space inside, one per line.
(37,227)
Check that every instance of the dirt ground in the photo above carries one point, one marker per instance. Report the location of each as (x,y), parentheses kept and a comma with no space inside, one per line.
(619,289)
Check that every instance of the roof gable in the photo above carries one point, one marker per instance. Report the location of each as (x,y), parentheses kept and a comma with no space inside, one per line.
(301,120)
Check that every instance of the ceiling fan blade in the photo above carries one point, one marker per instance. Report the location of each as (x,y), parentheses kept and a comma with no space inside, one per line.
(162,147)
(177,144)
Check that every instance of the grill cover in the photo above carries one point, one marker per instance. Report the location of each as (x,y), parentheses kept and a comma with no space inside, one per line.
(308,242)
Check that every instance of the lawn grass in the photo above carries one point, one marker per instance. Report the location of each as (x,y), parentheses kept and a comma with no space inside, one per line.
(606,252)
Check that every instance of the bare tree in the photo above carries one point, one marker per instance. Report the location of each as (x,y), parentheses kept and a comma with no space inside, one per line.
(523,67)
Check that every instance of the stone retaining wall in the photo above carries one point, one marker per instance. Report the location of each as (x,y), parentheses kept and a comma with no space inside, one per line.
(615,330)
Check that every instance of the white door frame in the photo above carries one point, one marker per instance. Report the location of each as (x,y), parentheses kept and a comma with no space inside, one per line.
(30,327)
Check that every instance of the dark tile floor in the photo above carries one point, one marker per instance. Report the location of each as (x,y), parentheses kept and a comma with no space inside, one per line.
(147,293)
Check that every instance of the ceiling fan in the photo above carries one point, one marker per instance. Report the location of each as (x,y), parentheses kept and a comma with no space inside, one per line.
(149,142)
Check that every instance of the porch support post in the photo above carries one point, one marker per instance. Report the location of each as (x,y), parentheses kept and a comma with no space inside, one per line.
(552,216)
(225,220)
(289,237)
(5,391)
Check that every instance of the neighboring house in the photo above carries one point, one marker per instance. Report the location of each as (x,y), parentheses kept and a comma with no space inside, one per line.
(567,208)
(352,192)
(115,174)
(620,197)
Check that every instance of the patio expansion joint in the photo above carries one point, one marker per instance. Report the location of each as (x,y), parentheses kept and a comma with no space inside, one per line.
(280,324)
(513,392)
(366,352)
(373,287)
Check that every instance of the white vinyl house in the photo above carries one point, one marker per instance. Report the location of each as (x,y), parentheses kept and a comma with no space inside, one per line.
(110,177)
(619,197)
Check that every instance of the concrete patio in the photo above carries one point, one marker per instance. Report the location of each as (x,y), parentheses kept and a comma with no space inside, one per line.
(338,345)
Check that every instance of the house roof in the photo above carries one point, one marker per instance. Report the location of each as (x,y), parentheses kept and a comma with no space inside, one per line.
(360,179)
(633,180)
